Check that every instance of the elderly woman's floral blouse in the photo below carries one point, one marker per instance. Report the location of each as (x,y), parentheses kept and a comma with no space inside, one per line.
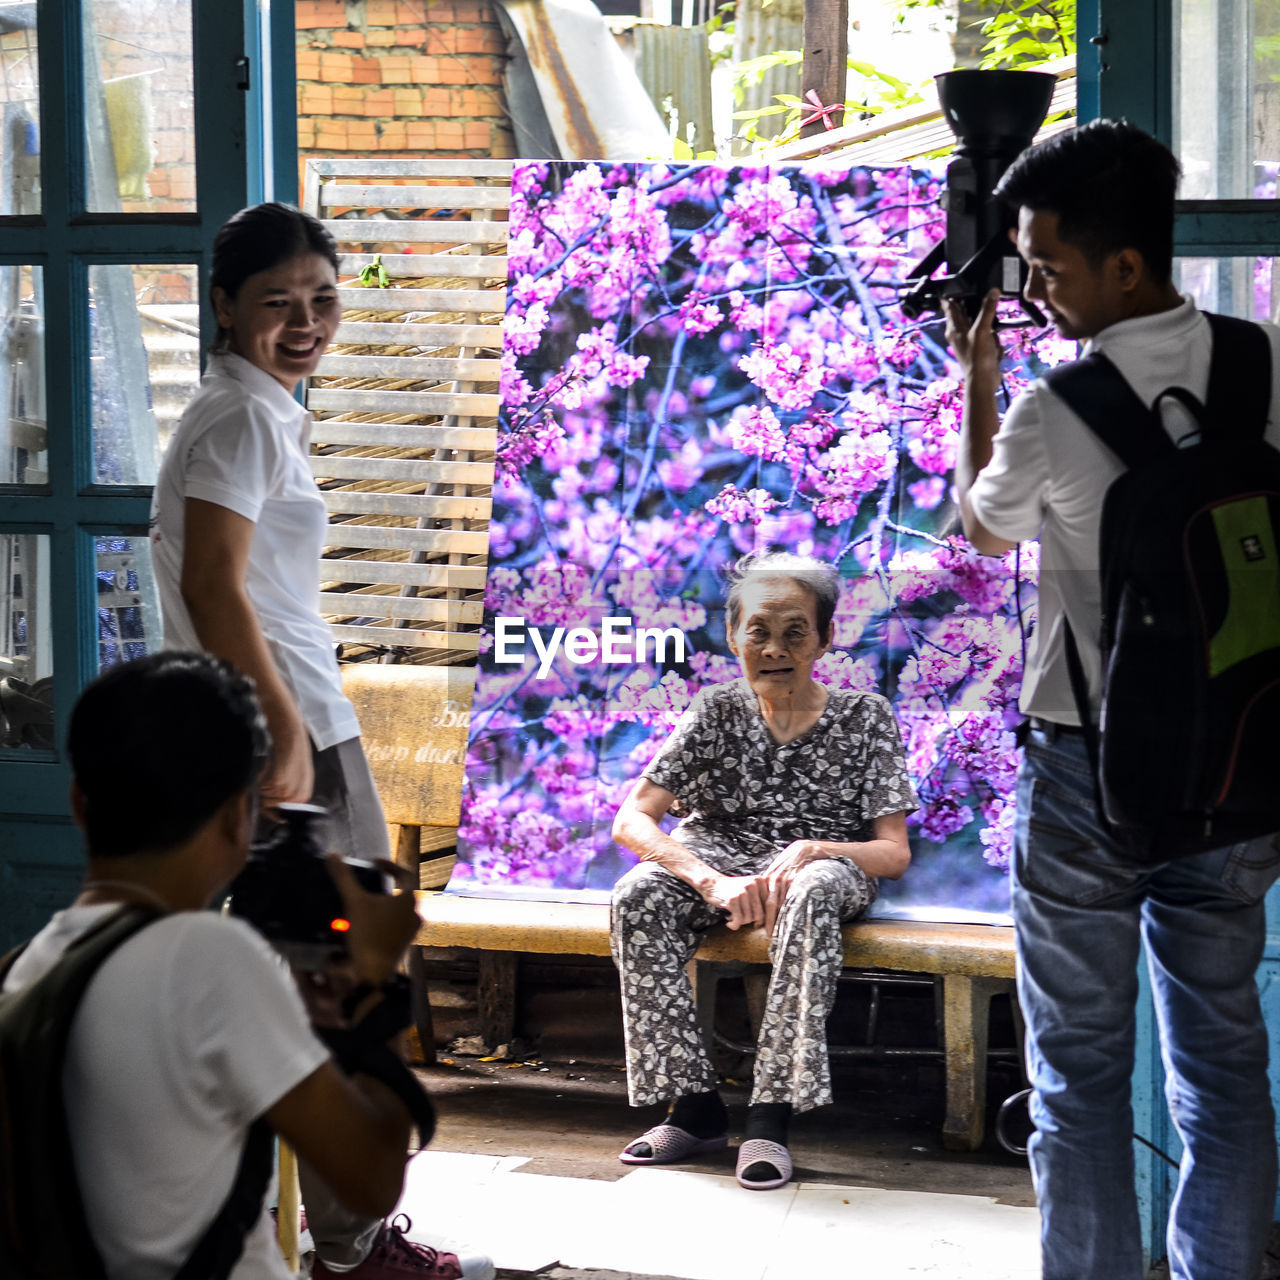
(742,798)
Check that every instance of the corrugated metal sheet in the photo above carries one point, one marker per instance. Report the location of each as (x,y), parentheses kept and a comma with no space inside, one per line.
(897,137)
(595,106)
(675,63)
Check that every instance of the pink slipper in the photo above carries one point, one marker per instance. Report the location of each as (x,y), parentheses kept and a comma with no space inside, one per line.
(670,1145)
(761,1150)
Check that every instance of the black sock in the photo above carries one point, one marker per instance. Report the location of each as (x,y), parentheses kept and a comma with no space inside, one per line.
(701,1114)
(768,1120)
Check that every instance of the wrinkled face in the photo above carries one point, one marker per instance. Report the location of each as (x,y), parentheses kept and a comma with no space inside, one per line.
(283,318)
(1080,298)
(776,638)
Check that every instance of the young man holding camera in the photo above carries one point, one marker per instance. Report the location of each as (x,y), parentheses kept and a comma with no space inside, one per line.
(193,1029)
(1095,226)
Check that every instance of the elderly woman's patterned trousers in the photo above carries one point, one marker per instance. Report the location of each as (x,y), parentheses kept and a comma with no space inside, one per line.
(657,922)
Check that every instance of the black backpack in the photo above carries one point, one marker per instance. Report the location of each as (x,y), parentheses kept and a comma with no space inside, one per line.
(43,1233)
(1186,753)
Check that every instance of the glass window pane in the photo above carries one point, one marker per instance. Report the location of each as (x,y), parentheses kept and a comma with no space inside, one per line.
(1226,97)
(26,654)
(144,364)
(139,106)
(19,111)
(23,456)
(128,609)
(1244,287)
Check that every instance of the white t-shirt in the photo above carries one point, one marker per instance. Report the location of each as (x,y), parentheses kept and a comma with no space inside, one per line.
(243,444)
(186,1035)
(1049,474)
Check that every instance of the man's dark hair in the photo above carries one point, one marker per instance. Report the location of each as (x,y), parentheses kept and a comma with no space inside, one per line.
(1111,185)
(261,237)
(158,745)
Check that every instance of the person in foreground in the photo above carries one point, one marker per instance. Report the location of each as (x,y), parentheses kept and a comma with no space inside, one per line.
(193,1029)
(793,800)
(1095,226)
(238,529)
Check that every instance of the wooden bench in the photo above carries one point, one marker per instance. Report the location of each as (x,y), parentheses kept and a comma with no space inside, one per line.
(975,962)
(414,721)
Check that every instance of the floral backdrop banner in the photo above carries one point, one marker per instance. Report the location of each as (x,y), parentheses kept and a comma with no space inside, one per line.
(701,362)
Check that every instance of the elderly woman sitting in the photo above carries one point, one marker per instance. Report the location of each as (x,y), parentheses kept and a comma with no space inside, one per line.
(793,799)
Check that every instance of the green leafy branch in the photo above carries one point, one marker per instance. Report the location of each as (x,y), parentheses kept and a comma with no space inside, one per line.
(1024,33)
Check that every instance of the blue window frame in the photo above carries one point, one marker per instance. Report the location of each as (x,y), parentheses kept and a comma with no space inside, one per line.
(78,519)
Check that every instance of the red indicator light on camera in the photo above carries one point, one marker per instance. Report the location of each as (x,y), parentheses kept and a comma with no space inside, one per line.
(339,925)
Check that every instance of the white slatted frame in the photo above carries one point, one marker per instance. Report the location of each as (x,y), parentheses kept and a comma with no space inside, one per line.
(447,496)
(481,212)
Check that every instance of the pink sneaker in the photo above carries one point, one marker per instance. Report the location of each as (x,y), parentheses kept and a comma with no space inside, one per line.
(395,1255)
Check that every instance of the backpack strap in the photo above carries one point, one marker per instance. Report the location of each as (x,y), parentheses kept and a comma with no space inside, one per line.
(32,1051)
(219,1249)
(1237,399)
(1098,394)
(1239,394)
(1132,841)
(9,960)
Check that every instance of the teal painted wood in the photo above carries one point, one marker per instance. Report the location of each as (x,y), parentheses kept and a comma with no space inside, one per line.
(37,842)
(1227,228)
(39,874)
(1156,1179)
(284,101)
(1269,992)
(257,146)
(1088,59)
(272,127)
(1135,78)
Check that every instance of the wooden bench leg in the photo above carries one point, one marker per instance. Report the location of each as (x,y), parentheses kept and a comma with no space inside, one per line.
(497,997)
(966,1016)
(420,1005)
(756,988)
(288,1207)
(408,850)
(704,978)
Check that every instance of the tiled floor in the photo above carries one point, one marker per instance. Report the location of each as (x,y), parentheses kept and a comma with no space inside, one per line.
(703,1226)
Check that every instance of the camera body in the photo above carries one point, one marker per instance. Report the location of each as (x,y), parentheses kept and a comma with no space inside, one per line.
(286,892)
(994,115)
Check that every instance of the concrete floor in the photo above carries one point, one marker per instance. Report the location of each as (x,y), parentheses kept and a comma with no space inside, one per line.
(534,1139)
(572,1119)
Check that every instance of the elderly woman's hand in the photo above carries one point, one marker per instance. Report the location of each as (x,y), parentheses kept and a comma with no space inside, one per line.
(743,897)
(783,870)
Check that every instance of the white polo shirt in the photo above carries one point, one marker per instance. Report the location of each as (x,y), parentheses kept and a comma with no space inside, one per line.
(243,444)
(1049,474)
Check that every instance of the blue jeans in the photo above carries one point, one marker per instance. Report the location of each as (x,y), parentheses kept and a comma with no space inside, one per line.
(1080,912)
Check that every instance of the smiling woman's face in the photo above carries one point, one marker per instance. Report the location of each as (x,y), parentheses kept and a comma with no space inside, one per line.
(283,318)
(776,638)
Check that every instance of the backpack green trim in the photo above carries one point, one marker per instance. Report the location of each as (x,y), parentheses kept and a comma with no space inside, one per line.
(1248,546)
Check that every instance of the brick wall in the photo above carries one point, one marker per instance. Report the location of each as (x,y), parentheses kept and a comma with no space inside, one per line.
(153,39)
(400,77)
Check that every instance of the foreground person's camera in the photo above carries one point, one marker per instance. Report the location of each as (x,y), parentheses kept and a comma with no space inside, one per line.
(286,892)
(994,115)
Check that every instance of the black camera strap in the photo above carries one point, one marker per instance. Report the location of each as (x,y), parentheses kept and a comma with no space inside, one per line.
(363,1049)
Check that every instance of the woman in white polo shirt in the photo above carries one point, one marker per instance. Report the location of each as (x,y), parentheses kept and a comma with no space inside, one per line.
(238,524)
(237,531)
